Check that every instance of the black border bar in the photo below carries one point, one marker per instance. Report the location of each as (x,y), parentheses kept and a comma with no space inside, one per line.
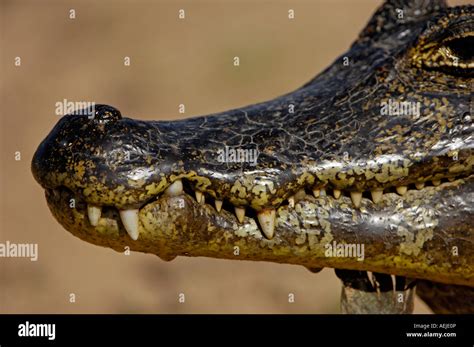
(159,330)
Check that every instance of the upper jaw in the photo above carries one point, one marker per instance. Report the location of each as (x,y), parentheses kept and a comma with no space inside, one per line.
(125,163)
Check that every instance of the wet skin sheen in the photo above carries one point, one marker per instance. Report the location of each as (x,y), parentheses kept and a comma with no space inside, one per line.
(338,163)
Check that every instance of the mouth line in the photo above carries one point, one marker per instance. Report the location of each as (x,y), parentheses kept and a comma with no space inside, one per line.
(266,218)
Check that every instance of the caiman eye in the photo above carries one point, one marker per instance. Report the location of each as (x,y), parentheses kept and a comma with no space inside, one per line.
(451,51)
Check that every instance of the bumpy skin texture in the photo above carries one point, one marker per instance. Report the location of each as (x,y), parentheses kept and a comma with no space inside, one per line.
(330,134)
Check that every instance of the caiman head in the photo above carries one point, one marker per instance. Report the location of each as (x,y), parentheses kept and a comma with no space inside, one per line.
(369,166)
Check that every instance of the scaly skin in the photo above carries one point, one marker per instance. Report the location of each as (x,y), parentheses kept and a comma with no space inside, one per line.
(330,136)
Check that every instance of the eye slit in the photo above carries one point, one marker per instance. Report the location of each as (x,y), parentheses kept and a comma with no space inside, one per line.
(462,48)
(454,55)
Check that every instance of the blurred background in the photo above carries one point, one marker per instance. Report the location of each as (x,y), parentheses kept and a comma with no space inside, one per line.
(172,62)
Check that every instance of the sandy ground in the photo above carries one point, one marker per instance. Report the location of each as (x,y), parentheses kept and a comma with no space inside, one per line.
(172,62)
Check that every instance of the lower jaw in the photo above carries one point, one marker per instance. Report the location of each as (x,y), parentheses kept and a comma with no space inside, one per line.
(427,234)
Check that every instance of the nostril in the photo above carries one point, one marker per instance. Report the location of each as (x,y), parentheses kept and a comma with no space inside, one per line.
(106,114)
(64,143)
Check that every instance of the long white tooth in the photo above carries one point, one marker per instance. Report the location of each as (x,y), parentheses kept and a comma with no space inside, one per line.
(322,192)
(175,189)
(291,201)
(218,204)
(370,275)
(337,193)
(266,218)
(200,197)
(316,193)
(401,190)
(356,198)
(94,213)
(240,212)
(394,281)
(420,185)
(376,195)
(130,222)
(436,182)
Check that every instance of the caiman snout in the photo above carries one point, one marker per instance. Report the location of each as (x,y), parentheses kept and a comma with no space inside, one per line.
(376,154)
(102,157)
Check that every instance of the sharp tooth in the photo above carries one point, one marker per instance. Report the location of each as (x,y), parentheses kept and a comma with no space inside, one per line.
(200,197)
(130,222)
(451,179)
(218,205)
(175,189)
(376,195)
(401,190)
(322,192)
(266,218)
(436,182)
(370,276)
(356,198)
(299,195)
(316,193)
(291,201)
(94,214)
(337,193)
(240,212)
(420,185)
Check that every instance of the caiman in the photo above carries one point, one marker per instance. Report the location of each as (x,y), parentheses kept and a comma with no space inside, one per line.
(367,168)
